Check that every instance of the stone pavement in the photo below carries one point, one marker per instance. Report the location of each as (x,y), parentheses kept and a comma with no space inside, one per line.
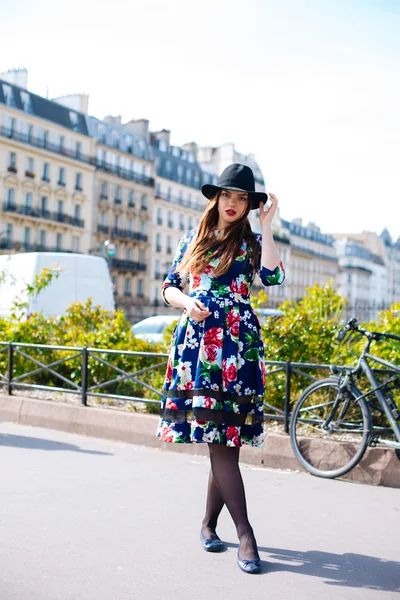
(90,519)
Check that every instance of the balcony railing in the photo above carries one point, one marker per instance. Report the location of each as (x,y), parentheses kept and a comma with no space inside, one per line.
(44,144)
(180,201)
(127,265)
(124,173)
(30,247)
(38,213)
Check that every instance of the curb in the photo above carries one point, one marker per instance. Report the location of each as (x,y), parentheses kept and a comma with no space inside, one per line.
(380,466)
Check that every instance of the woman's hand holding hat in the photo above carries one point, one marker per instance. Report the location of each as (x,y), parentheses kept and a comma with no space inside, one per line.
(266,215)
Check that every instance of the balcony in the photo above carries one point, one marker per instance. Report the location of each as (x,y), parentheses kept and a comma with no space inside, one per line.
(103,229)
(38,213)
(127,265)
(12,169)
(29,247)
(179,201)
(30,174)
(44,144)
(124,173)
(130,235)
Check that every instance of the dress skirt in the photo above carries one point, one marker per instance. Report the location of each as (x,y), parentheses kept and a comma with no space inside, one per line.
(215,380)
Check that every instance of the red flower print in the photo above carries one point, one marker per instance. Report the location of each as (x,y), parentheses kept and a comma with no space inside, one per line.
(232,434)
(233,319)
(166,435)
(188,385)
(229,373)
(213,336)
(207,402)
(168,375)
(242,288)
(171,405)
(207,270)
(262,369)
(196,281)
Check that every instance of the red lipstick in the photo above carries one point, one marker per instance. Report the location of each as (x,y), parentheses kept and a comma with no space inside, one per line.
(230,212)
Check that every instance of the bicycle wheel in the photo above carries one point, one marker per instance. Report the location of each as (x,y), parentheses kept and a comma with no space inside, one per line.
(326,444)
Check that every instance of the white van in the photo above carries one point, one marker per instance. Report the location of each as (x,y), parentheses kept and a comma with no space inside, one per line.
(81,277)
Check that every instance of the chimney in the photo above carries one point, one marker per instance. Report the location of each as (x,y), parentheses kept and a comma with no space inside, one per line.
(112,120)
(17,77)
(190,147)
(78,102)
(139,127)
(163,136)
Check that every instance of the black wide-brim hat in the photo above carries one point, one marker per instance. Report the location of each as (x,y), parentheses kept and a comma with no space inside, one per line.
(239,178)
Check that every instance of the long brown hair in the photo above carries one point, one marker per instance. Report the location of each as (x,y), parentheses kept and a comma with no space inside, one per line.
(205,247)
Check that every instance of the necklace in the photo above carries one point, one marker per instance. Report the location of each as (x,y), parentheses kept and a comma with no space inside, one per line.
(218,232)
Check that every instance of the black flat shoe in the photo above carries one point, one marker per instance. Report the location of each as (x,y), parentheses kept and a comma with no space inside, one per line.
(211,545)
(249,566)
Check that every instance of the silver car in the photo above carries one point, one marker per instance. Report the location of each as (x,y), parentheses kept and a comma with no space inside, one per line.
(152,329)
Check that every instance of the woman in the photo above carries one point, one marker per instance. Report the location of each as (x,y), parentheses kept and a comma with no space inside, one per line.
(215,372)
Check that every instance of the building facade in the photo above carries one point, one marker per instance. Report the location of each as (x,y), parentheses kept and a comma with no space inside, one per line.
(46,175)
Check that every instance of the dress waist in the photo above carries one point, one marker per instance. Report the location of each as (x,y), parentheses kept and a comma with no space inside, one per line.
(208,296)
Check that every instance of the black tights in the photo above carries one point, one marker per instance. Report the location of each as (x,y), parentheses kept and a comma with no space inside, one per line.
(225,486)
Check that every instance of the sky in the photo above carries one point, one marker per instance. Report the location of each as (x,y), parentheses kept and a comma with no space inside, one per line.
(310,87)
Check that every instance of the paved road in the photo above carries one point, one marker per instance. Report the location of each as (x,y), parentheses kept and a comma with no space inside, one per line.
(88,519)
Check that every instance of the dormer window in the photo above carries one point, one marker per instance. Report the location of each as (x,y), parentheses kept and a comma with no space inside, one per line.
(26,102)
(8,94)
(74,120)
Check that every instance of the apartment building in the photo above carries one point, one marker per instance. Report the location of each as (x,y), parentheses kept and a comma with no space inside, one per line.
(179,203)
(46,173)
(123,207)
(311,258)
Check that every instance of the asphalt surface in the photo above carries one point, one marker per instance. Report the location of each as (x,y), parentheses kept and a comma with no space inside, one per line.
(84,518)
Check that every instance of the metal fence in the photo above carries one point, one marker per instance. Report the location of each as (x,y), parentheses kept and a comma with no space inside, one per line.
(40,369)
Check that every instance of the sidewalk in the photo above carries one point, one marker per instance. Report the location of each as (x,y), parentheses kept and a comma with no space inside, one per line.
(380,466)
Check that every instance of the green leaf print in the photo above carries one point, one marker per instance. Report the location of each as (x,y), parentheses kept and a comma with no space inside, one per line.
(251,338)
(251,354)
(276,278)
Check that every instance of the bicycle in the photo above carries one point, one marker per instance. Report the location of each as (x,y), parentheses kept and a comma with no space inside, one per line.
(335,412)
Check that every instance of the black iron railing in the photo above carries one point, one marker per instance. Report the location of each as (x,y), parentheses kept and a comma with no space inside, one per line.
(98,372)
(38,213)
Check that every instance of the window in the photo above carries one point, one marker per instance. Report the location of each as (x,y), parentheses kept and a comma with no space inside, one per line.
(9,233)
(74,120)
(42,238)
(143,227)
(10,197)
(11,122)
(157,269)
(129,254)
(103,191)
(30,167)
(46,172)
(29,133)
(127,286)
(103,219)
(131,199)
(77,211)
(43,205)
(170,219)
(59,242)
(190,222)
(116,221)
(61,143)
(28,202)
(189,200)
(75,243)
(169,194)
(180,198)
(130,225)
(181,223)
(26,101)
(77,149)
(158,242)
(61,176)
(159,215)
(158,189)
(140,288)
(9,95)
(27,236)
(117,197)
(143,202)
(12,161)
(60,207)
(169,245)
(78,182)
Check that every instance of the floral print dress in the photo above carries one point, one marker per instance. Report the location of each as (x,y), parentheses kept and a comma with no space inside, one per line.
(214,385)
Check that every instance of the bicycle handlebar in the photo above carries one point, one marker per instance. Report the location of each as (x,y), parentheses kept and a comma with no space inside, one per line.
(352,325)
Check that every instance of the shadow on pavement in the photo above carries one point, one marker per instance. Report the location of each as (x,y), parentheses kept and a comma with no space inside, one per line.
(21,441)
(347,570)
